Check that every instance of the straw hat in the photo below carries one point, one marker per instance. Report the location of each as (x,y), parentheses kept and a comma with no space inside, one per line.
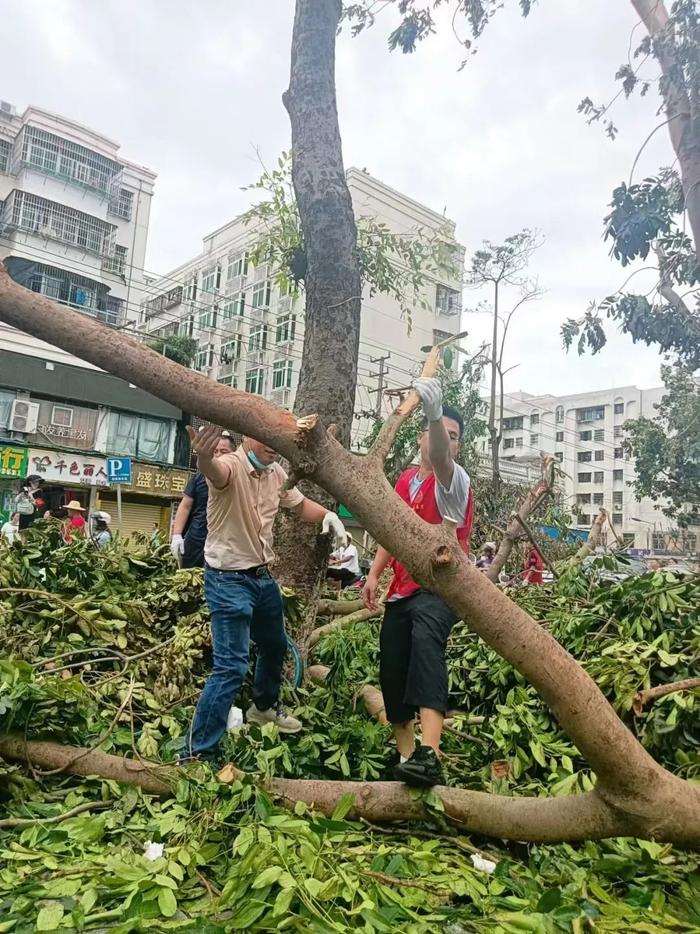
(74,504)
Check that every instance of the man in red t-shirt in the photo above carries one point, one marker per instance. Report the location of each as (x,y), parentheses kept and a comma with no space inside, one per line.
(417,623)
(534,565)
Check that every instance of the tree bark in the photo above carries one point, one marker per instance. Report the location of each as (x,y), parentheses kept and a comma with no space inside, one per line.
(593,541)
(642,797)
(683,123)
(360,616)
(514,529)
(339,607)
(328,371)
(661,690)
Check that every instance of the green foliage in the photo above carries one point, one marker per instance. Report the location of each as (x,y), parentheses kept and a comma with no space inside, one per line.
(233,859)
(176,347)
(503,263)
(399,266)
(666,449)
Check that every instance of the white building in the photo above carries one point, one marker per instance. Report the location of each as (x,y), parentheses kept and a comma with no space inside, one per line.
(251,337)
(585,432)
(73,220)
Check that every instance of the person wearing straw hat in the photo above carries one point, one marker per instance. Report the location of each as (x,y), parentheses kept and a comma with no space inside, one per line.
(488,553)
(75,523)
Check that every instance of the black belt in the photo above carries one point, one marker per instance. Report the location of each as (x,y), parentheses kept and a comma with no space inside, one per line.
(260,570)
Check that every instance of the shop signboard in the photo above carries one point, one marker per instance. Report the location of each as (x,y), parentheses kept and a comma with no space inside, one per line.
(13,461)
(119,470)
(152,480)
(67,469)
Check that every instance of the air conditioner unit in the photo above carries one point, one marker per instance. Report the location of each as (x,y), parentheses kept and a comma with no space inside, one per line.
(281,396)
(24,416)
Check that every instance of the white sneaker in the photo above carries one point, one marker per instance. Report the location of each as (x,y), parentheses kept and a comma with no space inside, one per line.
(285,723)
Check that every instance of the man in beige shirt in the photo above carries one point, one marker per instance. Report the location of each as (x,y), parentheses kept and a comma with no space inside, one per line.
(246,488)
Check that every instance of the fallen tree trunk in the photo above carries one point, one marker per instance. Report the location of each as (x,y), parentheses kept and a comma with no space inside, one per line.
(644,798)
(518,520)
(338,607)
(593,540)
(661,690)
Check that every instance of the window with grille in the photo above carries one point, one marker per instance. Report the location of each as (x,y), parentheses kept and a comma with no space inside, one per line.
(617,518)
(512,424)
(286,328)
(534,440)
(448,301)
(231,350)
(254,380)
(206,319)
(560,436)
(691,541)
(598,476)
(210,279)
(204,358)
(598,499)
(617,475)
(593,413)
(618,432)
(62,416)
(617,498)
(618,454)
(59,156)
(599,455)
(518,442)
(534,420)
(509,443)
(583,499)
(5,150)
(559,455)
(122,204)
(658,541)
(583,457)
(584,519)
(585,435)
(186,326)
(619,408)
(282,374)
(584,478)
(257,339)
(559,413)
(234,307)
(599,434)
(261,294)
(237,265)
(57,222)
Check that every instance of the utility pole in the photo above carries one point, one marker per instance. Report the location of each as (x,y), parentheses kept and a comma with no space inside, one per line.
(381,384)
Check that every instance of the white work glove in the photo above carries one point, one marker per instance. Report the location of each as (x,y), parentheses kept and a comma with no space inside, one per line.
(177,546)
(430,393)
(332,524)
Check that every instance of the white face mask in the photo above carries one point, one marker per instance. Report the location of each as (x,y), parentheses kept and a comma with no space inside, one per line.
(257,463)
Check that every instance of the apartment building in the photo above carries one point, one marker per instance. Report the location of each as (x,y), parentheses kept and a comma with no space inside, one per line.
(74,218)
(251,337)
(585,432)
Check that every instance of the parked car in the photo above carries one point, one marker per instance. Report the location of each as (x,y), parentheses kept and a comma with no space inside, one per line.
(613,567)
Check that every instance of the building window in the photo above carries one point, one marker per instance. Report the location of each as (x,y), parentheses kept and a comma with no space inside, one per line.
(5,150)
(206,319)
(598,499)
(231,350)
(534,420)
(534,440)
(584,478)
(57,222)
(559,414)
(228,381)
(254,380)
(237,265)
(234,307)
(584,519)
(261,294)
(583,499)
(690,541)
(286,328)
(618,454)
(281,374)
(658,541)
(62,416)
(617,518)
(595,413)
(619,408)
(560,436)
(583,457)
(518,442)
(448,301)
(204,358)
(599,455)
(122,204)
(585,435)
(617,498)
(211,278)
(598,476)
(509,443)
(138,436)
(59,156)
(617,475)
(559,455)
(257,339)
(599,434)
(191,289)
(186,326)
(617,431)
(512,424)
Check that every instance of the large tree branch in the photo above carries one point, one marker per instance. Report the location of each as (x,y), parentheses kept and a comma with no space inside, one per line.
(514,530)
(430,553)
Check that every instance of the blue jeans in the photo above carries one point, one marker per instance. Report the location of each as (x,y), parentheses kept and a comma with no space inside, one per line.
(241,606)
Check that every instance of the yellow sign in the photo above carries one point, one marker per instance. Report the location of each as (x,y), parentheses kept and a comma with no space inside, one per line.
(13,461)
(157,481)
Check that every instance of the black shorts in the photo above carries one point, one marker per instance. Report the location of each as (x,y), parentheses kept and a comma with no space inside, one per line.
(193,556)
(344,575)
(412,664)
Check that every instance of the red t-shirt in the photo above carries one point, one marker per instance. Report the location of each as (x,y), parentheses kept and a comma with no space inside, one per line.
(74,524)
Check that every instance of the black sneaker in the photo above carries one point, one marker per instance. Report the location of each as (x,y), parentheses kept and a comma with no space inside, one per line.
(422,770)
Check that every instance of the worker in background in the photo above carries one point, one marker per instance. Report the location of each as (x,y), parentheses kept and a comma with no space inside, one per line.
(485,559)
(246,489)
(190,525)
(534,565)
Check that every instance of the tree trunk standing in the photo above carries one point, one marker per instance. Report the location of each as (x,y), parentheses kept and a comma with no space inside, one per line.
(681,110)
(333,289)
(493,431)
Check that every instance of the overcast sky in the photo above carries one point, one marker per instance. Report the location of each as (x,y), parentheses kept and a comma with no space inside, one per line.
(193,89)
